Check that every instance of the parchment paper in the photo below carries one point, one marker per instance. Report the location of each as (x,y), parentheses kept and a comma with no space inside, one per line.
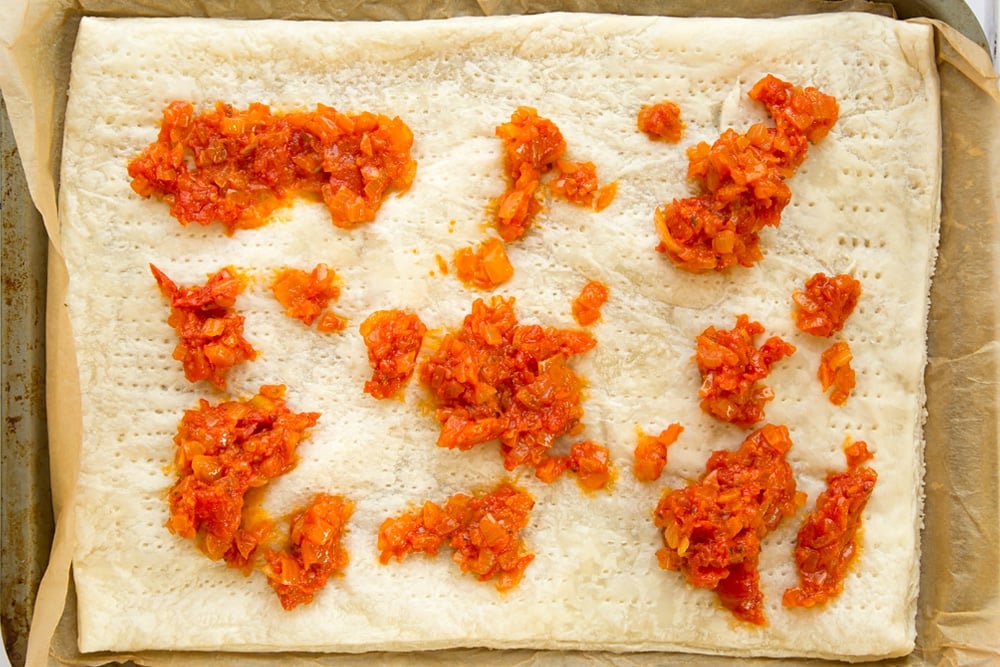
(958,616)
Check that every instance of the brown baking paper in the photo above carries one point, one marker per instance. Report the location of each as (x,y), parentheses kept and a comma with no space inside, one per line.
(958,615)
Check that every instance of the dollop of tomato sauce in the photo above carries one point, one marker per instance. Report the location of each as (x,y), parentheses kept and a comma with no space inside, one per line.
(314,551)
(800,114)
(484,266)
(237,166)
(494,378)
(534,146)
(393,339)
(742,178)
(661,120)
(835,371)
(306,295)
(577,182)
(210,332)
(825,304)
(651,453)
(587,305)
(222,452)
(589,460)
(712,529)
(731,367)
(827,542)
(484,530)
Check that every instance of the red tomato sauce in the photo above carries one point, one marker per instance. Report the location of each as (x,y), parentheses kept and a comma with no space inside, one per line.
(731,368)
(651,453)
(224,451)
(835,371)
(393,339)
(484,530)
(589,460)
(712,529)
(314,551)
(827,542)
(237,166)
(587,306)
(485,266)
(661,120)
(824,305)
(210,333)
(306,295)
(494,378)
(742,179)
(577,182)
(534,146)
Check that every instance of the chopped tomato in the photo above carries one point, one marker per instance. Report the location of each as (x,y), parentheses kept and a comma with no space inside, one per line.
(827,542)
(826,303)
(484,530)
(661,121)
(299,571)
(484,266)
(236,166)
(496,379)
(592,464)
(532,145)
(223,451)
(835,371)
(590,461)
(742,178)
(305,295)
(587,306)
(712,529)
(577,182)
(393,339)
(329,322)
(856,453)
(210,332)
(796,111)
(731,367)
(651,453)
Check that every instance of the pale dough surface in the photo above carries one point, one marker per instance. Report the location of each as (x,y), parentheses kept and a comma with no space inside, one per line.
(864,202)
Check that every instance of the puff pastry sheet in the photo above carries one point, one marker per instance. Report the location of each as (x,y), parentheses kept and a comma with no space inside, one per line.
(864,202)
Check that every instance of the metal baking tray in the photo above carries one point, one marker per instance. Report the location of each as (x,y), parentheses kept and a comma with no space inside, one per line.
(26,519)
